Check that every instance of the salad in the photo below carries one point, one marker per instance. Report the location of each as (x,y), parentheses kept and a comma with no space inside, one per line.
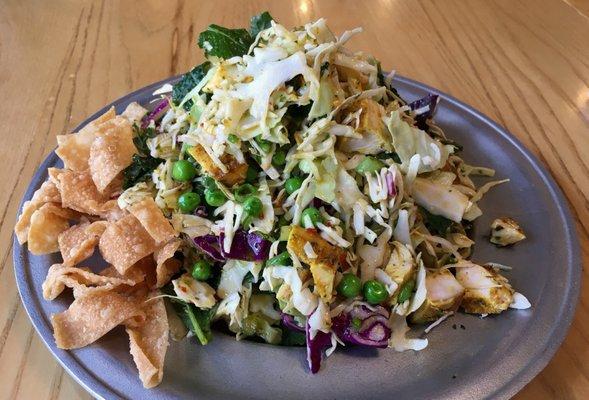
(282,190)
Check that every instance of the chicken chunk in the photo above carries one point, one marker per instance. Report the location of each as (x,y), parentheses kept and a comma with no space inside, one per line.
(236,172)
(401,267)
(486,291)
(324,261)
(444,293)
(375,136)
(505,231)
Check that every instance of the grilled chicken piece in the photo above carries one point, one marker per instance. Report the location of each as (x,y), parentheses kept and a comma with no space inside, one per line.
(375,136)
(235,174)
(324,265)
(487,292)
(505,231)
(401,268)
(444,293)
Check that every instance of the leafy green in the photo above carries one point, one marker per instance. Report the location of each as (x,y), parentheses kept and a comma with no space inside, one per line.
(436,224)
(292,338)
(188,82)
(223,42)
(260,22)
(256,324)
(142,164)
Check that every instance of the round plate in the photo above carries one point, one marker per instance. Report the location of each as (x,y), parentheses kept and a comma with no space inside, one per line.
(467,356)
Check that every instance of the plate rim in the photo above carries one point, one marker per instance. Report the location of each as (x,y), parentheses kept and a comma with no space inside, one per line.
(99,389)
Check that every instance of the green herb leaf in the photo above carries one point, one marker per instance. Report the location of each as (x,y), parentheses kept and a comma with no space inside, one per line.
(436,224)
(223,42)
(259,23)
(140,170)
(189,82)
(140,139)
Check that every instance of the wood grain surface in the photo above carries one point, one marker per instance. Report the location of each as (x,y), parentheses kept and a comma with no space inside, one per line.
(523,63)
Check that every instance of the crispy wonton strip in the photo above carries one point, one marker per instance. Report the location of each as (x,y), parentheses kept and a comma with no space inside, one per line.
(111,152)
(91,316)
(78,242)
(149,342)
(125,242)
(47,223)
(74,149)
(60,276)
(153,220)
(78,192)
(167,265)
(47,193)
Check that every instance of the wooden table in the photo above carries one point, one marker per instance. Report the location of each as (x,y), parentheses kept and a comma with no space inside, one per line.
(523,63)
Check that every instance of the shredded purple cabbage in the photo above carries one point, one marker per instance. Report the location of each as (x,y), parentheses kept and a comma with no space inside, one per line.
(374,329)
(159,110)
(424,109)
(289,322)
(245,246)
(316,347)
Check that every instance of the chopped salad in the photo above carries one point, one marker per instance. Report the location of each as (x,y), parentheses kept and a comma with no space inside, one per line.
(284,190)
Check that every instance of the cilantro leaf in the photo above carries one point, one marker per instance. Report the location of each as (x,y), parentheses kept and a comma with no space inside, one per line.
(223,42)
(189,82)
(435,223)
(259,23)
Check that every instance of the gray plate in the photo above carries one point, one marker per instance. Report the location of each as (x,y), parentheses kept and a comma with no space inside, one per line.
(488,358)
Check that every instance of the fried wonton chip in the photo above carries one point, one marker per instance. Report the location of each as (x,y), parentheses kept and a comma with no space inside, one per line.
(61,276)
(78,192)
(74,149)
(111,152)
(23,224)
(125,242)
(153,220)
(47,193)
(78,242)
(91,316)
(167,265)
(47,223)
(149,342)
(134,112)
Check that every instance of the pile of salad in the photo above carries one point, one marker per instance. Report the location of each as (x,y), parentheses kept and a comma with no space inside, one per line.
(317,207)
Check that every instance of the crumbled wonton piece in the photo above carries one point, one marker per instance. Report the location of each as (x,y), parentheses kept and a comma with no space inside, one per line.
(125,242)
(78,192)
(134,112)
(74,149)
(91,316)
(149,342)
(78,242)
(111,152)
(153,220)
(47,223)
(167,265)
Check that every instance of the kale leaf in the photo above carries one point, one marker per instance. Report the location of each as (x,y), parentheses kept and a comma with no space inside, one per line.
(260,22)
(189,82)
(140,170)
(141,136)
(223,42)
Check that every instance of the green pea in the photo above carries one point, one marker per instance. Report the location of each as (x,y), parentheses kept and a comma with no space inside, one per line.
(293,184)
(311,216)
(214,197)
(368,165)
(232,138)
(265,145)
(356,323)
(244,191)
(279,158)
(187,202)
(405,292)
(252,175)
(183,171)
(375,292)
(201,270)
(349,286)
(280,259)
(253,206)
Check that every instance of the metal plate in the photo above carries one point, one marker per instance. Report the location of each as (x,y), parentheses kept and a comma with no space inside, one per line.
(490,358)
